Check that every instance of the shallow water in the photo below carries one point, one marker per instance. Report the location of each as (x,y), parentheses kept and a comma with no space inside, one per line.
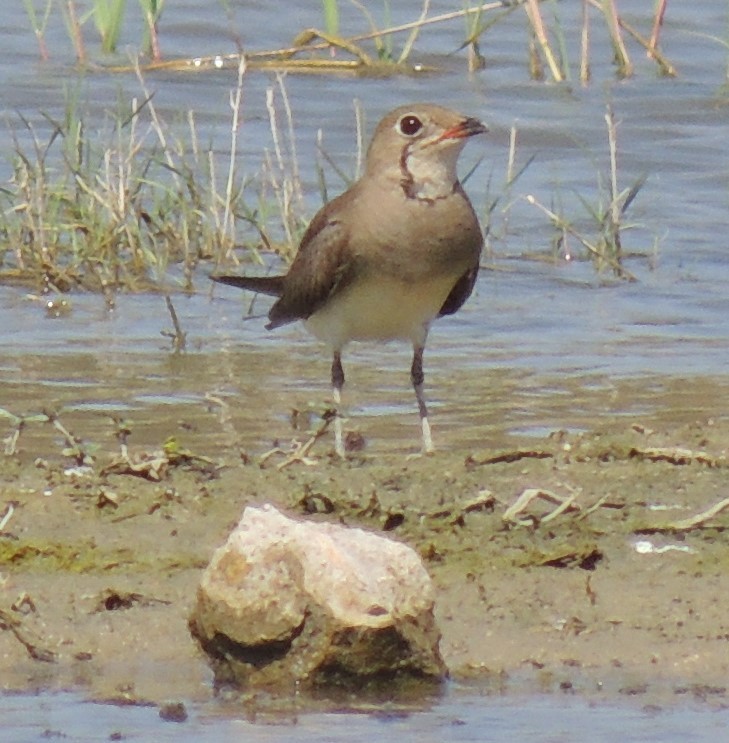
(485,380)
(463,718)
(543,344)
(547,317)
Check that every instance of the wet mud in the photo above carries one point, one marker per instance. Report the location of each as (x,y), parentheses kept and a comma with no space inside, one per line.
(591,560)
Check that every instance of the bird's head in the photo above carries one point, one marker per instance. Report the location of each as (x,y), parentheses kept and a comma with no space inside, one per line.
(419,146)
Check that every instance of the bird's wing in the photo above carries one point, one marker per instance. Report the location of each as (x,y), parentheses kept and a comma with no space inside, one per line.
(460,292)
(323,266)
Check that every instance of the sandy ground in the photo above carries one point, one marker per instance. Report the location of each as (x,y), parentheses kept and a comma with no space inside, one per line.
(596,581)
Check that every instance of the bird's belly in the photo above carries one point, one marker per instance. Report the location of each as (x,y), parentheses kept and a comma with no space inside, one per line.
(382,309)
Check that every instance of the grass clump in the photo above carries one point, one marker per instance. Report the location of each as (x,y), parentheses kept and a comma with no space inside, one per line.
(130,206)
(137,208)
(99,210)
(608,214)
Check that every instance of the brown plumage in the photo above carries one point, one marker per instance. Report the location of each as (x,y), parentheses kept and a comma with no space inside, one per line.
(398,249)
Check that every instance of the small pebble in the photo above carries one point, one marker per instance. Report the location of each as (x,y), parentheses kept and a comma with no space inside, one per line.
(173,712)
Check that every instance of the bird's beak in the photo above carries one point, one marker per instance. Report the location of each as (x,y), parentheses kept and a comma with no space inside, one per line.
(466,128)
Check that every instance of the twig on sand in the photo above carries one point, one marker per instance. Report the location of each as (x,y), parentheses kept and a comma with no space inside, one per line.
(675,455)
(299,452)
(7,514)
(11,624)
(693,522)
(512,513)
(507,457)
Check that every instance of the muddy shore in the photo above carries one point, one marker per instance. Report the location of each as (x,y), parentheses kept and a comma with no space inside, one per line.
(567,562)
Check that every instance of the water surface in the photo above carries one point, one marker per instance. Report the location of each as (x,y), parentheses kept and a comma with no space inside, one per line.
(459,718)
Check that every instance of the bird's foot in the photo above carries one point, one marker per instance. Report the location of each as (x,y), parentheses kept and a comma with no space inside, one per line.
(420,454)
(339,448)
(428,448)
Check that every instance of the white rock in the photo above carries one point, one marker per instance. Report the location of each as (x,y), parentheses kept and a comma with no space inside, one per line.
(285,600)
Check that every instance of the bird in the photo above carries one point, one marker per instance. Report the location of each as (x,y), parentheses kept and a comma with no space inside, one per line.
(391,254)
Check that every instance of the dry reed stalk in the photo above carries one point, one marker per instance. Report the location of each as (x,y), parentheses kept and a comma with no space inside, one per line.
(504,196)
(215,199)
(151,10)
(304,38)
(408,45)
(74,31)
(666,67)
(625,67)
(537,23)
(321,178)
(615,209)
(512,155)
(285,188)
(295,174)
(585,45)
(511,176)
(360,134)
(236,100)
(39,25)
(383,46)
(178,336)
(324,156)
(34,184)
(657,24)
(156,122)
(536,69)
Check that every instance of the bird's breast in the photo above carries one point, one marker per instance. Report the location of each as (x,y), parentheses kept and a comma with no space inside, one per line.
(380,308)
(418,238)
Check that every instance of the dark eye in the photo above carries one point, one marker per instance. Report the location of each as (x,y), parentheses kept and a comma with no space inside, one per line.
(410,125)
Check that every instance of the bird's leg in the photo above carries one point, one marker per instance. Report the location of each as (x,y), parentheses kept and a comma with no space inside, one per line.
(337,384)
(417,376)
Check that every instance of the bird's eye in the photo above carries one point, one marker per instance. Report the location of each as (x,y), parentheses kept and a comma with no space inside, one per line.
(410,125)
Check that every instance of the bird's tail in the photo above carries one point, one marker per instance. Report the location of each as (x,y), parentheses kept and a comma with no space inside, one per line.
(272,285)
